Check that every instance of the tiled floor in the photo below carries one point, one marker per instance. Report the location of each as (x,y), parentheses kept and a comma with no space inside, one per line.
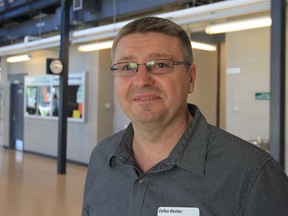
(30,186)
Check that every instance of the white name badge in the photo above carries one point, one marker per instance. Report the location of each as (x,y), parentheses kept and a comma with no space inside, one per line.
(179,211)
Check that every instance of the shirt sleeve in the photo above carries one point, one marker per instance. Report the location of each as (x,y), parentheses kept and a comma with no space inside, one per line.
(268,194)
(85,211)
(87,186)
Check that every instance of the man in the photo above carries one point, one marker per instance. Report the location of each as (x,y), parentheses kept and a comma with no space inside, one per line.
(170,161)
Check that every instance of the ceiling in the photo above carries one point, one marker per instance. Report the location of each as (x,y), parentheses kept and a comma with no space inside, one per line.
(42,18)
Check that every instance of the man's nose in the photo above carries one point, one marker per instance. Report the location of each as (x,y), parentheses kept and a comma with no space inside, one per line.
(143,77)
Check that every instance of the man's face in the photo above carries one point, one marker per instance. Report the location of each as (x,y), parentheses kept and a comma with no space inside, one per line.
(153,98)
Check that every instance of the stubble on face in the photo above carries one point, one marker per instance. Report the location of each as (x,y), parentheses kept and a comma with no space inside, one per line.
(145,104)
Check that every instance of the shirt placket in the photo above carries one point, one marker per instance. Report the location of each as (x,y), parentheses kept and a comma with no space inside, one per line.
(137,196)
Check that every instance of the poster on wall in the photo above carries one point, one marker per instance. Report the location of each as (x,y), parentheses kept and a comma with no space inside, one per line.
(42,96)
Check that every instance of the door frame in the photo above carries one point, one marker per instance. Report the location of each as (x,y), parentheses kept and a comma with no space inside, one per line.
(15,79)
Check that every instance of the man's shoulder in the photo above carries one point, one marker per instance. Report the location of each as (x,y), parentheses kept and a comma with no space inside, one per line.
(235,148)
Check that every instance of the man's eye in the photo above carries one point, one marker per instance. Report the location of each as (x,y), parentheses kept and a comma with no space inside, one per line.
(128,67)
(161,65)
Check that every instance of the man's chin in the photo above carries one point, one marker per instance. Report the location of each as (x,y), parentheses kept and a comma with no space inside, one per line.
(148,118)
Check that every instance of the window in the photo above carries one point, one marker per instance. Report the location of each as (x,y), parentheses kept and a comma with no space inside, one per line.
(31,100)
(44,101)
(42,96)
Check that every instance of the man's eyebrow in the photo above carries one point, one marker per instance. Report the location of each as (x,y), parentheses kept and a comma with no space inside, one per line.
(126,58)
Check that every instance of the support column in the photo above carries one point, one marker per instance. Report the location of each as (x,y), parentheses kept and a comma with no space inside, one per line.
(63,88)
(277,81)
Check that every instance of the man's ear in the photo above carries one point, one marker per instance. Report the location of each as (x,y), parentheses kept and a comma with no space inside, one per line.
(192,77)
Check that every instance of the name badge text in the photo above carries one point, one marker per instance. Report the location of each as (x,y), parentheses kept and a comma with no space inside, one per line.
(178,211)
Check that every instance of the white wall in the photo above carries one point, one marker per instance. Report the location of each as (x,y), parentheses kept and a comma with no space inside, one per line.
(105,96)
(246,117)
(205,91)
(250,52)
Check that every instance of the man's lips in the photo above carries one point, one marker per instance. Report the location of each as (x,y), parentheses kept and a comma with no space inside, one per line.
(146,97)
(145,94)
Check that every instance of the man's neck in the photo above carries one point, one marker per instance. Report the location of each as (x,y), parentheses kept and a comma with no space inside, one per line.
(153,144)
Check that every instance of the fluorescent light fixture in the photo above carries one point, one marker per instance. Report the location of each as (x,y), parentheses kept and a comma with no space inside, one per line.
(108,44)
(95,46)
(18,58)
(203,46)
(239,25)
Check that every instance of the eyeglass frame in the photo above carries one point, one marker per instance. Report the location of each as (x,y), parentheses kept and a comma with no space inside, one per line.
(113,69)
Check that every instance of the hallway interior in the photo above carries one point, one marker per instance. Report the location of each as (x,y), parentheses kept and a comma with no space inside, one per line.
(30,186)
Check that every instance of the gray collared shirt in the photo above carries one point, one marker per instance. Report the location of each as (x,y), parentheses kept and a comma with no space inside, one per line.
(209,170)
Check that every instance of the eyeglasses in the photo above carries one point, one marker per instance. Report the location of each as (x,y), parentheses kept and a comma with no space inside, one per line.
(158,66)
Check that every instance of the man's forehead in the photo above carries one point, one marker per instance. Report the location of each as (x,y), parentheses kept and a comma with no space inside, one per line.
(149,56)
(145,46)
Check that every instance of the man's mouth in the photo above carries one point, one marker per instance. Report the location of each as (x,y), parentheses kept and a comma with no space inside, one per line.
(146,98)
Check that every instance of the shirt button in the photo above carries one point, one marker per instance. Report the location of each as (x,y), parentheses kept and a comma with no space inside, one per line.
(141,181)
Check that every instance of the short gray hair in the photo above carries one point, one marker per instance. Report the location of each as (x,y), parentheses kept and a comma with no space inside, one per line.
(158,25)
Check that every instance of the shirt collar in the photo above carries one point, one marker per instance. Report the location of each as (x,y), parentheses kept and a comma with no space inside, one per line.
(124,150)
(193,143)
(189,153)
